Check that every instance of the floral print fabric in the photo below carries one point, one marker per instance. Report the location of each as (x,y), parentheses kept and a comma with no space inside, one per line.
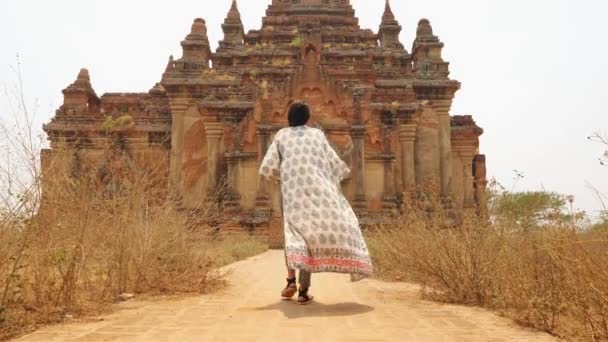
(322,233)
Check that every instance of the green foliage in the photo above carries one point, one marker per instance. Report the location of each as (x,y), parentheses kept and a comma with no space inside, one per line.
(526,210)
(279,62)
(256,47)
(296,42)
(604,217)
(124,122)
(602,225)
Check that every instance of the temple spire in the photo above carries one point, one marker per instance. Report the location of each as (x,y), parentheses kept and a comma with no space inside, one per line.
(234,31)
(234,16)
(79,97)
(196,50)
(424,32)
(388,17)
(426,52)
(389,31)
(82,84)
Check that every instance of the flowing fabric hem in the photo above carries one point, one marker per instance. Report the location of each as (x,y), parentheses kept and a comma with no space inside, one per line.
(358,270)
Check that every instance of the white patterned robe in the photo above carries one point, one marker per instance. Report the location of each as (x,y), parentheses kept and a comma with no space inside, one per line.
(322,233)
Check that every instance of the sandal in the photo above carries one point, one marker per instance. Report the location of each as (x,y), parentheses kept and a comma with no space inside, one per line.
(290,289)
(304,298)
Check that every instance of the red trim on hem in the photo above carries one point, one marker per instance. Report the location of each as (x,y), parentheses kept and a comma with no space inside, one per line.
(312,262)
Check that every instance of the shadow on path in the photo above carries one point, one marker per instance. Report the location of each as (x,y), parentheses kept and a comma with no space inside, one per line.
(316,309)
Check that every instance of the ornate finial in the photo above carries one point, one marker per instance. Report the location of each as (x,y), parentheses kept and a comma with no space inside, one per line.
(233,28)
(424,28)
(84,75)
(234,16)
(199,27)
(196,45)
(424,33)
(83,81)
(234,7)
(81,84)
(388,16)
(388,34)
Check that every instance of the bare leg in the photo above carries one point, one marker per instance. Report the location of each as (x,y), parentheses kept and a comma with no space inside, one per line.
(291,273)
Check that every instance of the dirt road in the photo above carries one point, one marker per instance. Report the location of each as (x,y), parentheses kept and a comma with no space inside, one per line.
(250,310)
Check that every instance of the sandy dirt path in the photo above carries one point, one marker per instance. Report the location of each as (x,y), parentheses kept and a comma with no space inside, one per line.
(250,310)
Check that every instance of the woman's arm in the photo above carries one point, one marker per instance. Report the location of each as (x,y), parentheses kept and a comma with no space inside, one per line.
(270,168)
(338,168)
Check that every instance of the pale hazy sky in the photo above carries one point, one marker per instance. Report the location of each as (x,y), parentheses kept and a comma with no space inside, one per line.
(533,72)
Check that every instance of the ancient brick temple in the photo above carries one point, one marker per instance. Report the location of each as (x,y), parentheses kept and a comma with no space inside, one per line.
(210,119)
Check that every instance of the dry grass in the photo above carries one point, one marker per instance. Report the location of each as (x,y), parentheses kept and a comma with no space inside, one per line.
(87,247)
(98,234)
(552,277)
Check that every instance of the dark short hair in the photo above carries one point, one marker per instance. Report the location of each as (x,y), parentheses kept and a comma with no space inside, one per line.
(299,114)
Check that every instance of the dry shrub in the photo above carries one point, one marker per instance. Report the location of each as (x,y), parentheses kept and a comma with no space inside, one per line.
(552,277)
(103,230)
(91,243)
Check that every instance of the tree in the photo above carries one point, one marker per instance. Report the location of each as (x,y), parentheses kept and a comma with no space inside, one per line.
(524,210)
(603,221)
(530,209)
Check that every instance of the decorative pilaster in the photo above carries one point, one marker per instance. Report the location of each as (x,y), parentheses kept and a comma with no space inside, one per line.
(389,198)
(233,198)
(178,110)
(407,137)
(481,184)
(465,143)
(262,200)
(442,108)
(358,136)
(466,154)
(214,132)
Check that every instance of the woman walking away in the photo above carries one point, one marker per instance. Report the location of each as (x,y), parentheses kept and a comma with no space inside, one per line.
(322,233)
